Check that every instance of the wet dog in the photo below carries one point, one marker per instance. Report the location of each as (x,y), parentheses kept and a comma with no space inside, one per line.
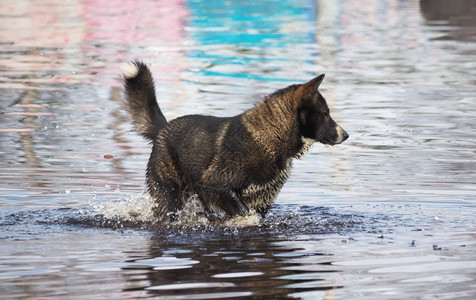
(234,164)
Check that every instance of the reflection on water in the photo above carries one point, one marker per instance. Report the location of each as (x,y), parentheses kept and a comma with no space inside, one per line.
(55,252)
(381,252)
(389,214)
(458,17)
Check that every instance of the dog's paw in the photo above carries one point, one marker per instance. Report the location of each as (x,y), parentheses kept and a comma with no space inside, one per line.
(129,69)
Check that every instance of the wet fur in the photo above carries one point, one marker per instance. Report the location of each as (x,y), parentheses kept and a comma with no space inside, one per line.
(234,164)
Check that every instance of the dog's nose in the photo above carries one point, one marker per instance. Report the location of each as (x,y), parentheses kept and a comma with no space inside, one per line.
(345,135)
(342,135)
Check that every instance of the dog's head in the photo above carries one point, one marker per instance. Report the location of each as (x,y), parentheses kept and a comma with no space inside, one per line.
(315,120)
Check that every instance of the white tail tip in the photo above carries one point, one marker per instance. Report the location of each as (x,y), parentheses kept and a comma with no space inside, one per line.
(129,69)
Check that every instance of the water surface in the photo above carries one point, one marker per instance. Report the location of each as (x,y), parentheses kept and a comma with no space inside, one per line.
(388,214)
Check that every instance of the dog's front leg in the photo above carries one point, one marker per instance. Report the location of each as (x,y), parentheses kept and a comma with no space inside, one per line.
(225,200)
(242,210)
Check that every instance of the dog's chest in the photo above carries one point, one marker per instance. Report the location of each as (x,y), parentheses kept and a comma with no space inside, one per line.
(261,196)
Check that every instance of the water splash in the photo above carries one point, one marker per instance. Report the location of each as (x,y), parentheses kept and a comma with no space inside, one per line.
(136,208)
(139,208)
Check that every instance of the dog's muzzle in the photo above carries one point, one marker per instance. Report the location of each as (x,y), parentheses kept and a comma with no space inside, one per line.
(334,138)
(342,135)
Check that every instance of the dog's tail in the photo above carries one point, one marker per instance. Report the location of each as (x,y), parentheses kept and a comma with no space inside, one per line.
(140,97)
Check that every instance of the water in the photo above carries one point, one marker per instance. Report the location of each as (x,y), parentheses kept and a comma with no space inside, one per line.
(389,214)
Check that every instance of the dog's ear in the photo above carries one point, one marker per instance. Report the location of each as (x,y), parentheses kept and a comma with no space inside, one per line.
(308,89)
(312,86)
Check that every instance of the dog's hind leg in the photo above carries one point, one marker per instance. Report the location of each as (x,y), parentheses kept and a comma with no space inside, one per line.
(164,184)
(167,196)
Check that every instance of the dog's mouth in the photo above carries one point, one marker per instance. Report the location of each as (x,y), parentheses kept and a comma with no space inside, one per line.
(326,141)
(342,135)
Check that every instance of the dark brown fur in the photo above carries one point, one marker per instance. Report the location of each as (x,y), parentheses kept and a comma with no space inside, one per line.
(233,164)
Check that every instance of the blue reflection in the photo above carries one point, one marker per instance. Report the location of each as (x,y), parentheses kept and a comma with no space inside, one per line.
(251,23)
(248,39)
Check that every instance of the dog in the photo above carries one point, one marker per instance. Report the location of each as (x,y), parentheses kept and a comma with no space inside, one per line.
(234,165)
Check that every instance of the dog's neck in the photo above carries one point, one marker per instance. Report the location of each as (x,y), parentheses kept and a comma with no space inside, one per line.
(273,124)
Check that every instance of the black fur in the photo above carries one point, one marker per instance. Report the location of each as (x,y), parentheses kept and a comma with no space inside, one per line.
(233,164)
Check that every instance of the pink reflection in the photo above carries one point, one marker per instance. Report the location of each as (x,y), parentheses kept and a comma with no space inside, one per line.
(83,41)
(137,22)
(115,29)
(40,24)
